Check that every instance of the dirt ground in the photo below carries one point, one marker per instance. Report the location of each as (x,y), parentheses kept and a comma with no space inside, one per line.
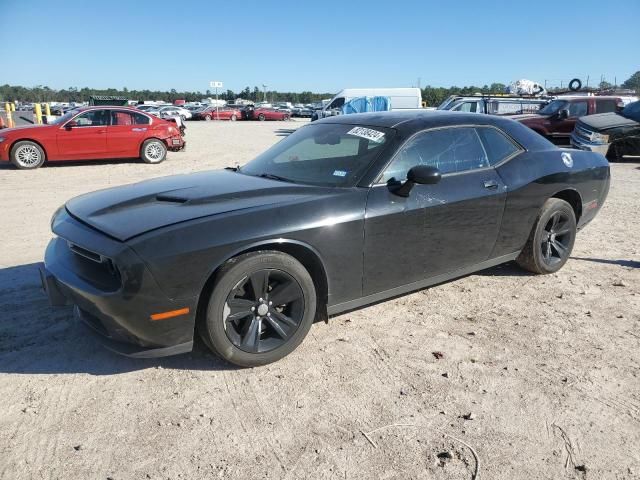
(539,377)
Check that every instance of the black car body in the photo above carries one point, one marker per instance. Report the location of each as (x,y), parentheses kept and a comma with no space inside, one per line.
(125,254)
(616,135)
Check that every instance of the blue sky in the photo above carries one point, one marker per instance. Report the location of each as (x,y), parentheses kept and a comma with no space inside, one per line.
(320,46)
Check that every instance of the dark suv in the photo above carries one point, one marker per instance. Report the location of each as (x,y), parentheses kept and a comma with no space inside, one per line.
(557,120)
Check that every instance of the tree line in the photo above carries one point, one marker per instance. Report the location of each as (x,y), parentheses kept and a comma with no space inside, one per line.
(432,96)
(42,93)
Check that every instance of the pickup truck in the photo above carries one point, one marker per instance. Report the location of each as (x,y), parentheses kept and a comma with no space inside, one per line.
(616,135)
(557,120)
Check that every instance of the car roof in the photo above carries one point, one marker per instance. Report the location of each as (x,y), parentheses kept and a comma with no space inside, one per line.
(400,118)
(408,122)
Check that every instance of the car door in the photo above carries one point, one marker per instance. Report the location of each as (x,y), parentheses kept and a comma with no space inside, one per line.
(438,228)
(563,127)
(125,133)
(84,137)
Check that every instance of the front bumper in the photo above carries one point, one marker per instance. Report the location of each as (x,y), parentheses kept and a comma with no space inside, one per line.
(117,305)
(582,144)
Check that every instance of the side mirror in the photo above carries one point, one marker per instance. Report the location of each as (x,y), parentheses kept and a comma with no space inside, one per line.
(562,114)
(70,124)
(420,174)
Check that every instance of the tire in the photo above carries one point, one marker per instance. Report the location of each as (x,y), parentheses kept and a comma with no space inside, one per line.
(551,240)
(153,151)
(268,332)
(27,155)
(207,118)
(285,118)
(233,118)
(575,85)
(261,117)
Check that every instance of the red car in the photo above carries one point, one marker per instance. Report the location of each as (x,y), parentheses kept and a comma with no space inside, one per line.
(89,134)
(269,114)
(221,113)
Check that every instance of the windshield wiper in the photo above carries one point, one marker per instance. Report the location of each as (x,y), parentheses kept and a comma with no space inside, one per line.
(275,177)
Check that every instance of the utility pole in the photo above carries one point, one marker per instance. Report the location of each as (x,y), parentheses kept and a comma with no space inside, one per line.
(264,89)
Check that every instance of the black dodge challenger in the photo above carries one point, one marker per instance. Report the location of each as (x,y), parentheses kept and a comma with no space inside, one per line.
(344,212)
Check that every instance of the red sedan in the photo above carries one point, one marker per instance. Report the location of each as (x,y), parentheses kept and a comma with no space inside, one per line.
(269,114)
(89,134)
(221,113)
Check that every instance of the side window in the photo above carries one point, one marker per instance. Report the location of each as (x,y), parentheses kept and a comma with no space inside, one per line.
(496,144)
(337,103)
(471,107)
(120,118)
(93,118)
(450,150)
(577,109)
(605,106)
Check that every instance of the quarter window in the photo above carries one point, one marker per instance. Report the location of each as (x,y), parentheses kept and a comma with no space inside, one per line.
(450,150)
(496,144)
(577,109)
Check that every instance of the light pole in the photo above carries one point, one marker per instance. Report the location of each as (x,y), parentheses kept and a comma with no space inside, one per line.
(264,89)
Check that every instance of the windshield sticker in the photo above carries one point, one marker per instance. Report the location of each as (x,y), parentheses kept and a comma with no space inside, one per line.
(368,133)
(339,173)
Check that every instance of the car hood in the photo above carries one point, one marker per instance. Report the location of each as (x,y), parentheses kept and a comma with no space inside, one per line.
(131,210)
(603,121)
(22,128)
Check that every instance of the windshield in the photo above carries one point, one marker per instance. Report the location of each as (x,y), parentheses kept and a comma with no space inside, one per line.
(632,111)
(64,118)
(553,108)
(322,154)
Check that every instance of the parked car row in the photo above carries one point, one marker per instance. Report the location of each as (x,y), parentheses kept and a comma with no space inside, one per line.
(609,124)
(239,112)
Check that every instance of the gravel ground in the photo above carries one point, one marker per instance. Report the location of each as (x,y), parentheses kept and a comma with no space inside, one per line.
(538,377)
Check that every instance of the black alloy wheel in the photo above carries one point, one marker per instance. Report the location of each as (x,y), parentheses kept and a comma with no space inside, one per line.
(556,239)
(261,307)
(263,311)
(551,240)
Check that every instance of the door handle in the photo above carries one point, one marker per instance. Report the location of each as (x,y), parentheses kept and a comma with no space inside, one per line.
(492,184)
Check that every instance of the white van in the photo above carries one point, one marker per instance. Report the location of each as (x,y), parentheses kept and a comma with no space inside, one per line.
(401,99)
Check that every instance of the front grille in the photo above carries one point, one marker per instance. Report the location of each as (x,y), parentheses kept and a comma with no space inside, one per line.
(94,268)
(583,133)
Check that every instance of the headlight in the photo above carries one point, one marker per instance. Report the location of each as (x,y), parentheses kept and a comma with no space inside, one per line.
(55,215)
(2,139)
(599,137)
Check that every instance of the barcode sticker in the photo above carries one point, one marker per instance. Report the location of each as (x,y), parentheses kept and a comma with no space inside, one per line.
(368,133)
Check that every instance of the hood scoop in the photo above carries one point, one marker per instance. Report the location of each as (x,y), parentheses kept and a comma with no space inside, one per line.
(171,198)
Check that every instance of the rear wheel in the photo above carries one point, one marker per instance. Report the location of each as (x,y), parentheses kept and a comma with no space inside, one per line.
(286,117)
(551,240)
(233,118)
(153,151)
(27,155)
(261,308)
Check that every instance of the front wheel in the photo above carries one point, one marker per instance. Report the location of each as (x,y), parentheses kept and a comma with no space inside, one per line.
(207,118)
(261,117)
(153,151)
(551,240)
(233,118)
(261,308)
(27,155)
